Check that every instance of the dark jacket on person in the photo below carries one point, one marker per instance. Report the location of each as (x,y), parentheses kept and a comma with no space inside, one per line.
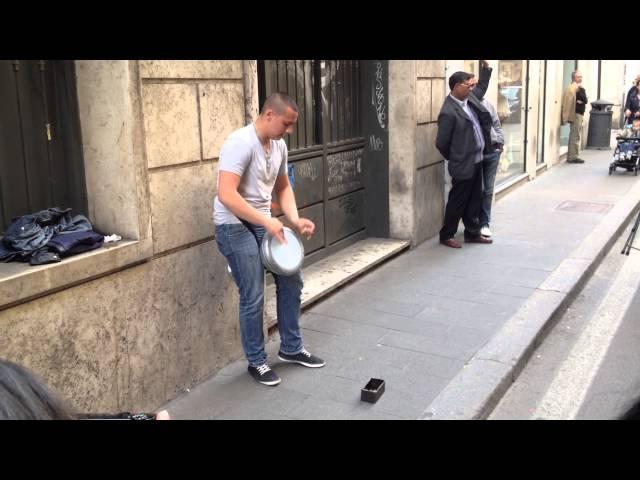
(632,103)
(456,139)
(581,95)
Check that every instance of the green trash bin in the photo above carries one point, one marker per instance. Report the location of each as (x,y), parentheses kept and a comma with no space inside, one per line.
(599,134)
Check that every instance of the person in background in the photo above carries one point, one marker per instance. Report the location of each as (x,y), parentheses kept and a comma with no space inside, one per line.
(490,163)
(574,100)
(632,104)
(463,138)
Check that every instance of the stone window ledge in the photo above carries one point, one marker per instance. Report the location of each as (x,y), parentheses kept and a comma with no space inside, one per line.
(20,282)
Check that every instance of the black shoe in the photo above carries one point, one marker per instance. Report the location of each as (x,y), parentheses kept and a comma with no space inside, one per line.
(576,160)
(303,358)
(264,375)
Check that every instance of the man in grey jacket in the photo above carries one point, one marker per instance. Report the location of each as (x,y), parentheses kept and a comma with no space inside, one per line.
(464,136)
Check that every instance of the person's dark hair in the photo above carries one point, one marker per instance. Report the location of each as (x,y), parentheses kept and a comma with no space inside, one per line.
(25,397)
(632,411)
(459,77)
(279,102)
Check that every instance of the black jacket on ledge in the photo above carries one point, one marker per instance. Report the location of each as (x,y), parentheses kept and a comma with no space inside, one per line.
(46,236)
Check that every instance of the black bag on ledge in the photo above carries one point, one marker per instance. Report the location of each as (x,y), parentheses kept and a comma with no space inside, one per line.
(47,236)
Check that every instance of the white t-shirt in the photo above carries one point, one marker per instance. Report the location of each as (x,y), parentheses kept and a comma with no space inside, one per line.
(242,154)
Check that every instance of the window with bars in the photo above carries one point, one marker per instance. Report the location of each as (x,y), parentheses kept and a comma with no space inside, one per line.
(327,95)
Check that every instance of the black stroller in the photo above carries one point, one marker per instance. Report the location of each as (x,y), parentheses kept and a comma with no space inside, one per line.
(627,154)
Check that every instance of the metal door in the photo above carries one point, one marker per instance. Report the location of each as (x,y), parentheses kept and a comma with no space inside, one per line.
(327,151)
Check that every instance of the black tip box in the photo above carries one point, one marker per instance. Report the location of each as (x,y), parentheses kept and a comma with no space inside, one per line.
(372,391)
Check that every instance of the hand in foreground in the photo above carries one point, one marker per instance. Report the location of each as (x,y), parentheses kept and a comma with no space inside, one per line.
(163,415)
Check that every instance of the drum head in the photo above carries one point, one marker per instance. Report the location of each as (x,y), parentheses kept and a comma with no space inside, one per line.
(284,259)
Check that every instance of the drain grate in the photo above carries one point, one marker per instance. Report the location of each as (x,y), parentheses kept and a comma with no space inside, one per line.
(584,207)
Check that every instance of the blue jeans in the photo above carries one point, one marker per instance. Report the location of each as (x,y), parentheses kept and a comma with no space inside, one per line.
(489,169)
(627,147)
(240,244)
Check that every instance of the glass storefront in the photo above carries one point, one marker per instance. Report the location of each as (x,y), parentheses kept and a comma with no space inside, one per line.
(542,98)
(510,106)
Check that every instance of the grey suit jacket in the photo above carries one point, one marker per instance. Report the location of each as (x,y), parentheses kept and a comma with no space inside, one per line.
(455,139)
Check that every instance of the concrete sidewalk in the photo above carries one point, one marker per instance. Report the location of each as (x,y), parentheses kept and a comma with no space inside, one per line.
(446,329)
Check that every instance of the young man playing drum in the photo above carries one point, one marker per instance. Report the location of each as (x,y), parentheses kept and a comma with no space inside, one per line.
(252,166)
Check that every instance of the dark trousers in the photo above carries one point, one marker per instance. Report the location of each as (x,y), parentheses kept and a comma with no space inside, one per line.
(465,201)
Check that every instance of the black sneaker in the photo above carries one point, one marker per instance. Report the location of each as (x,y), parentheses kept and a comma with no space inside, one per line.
(303,358)
(264,375)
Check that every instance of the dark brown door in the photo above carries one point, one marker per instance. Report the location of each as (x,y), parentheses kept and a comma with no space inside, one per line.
(41,163)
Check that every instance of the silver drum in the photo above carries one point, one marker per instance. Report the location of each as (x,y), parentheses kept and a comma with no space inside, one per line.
(282,259)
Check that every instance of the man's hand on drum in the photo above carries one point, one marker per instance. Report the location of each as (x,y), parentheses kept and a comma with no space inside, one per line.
(275,228)
(305,227)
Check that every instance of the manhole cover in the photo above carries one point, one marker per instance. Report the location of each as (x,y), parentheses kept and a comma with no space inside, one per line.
(588,207)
